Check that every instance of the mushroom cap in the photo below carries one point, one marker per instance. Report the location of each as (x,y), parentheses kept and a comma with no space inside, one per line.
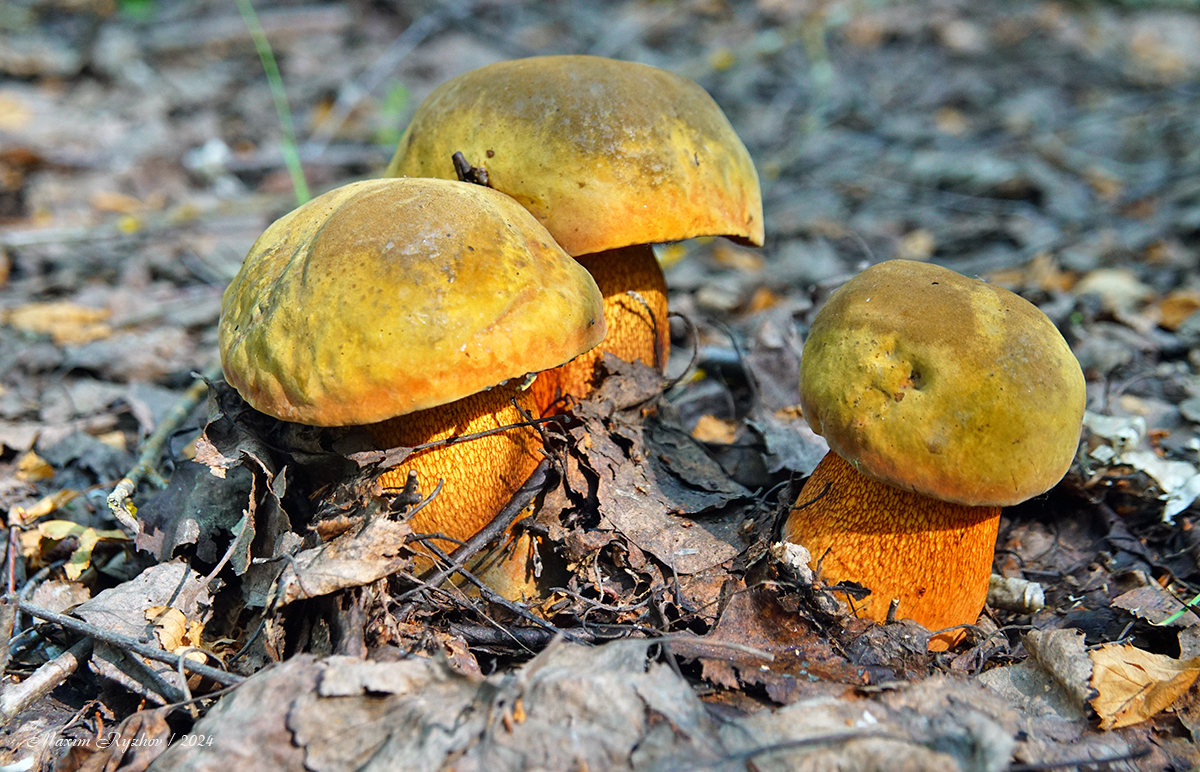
(604,153)
(943,385)
(385,297)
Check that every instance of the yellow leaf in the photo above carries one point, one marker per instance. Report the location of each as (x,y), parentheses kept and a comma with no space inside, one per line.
(66,323)
(1132,685)
(174,631)
(56,531)
(44,506)
(31,468)
(715,430)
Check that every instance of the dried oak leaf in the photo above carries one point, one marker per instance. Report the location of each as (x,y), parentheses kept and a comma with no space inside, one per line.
(655,483)
(1133,685)
(803,663)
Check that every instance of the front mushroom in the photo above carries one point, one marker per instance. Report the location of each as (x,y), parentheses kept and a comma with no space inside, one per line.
(417,307)
(943,399)
(611,157)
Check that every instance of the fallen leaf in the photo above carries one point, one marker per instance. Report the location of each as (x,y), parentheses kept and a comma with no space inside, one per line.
(716,430)
(38,543)
(1134,685)
(43,507)
(33,468)
(174,631)
(65,323)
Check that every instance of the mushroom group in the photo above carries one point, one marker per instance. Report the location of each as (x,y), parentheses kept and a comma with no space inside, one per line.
(611,157)
(943,399)
(417,307)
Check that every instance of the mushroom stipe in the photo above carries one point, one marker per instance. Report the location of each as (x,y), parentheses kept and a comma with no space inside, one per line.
(467,506)
(865,524)
(637,326)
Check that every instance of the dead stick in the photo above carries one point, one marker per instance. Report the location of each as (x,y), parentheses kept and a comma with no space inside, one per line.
(499,524)
(147,463)
(15,699)
(129,643)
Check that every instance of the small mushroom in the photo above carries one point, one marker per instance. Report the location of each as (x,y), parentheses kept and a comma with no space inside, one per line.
(943,399)
(611,157)
(417,307)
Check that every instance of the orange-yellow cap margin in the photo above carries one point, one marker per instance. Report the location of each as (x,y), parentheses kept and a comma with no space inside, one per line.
(385,297)
(604,153)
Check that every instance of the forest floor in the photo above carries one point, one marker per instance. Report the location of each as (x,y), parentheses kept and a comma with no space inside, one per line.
(1050,148)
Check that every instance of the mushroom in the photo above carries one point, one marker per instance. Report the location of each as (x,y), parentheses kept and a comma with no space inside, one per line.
(417,307)
(611,157)
(943,399)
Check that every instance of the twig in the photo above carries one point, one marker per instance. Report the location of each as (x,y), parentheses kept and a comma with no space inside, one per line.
(491,596)
(119,502)
(17,697)
(1037,766)
(129,643)
(500,523)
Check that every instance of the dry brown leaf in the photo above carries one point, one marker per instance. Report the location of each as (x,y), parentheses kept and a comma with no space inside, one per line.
(1176,307)
(131,747)
(1134,685)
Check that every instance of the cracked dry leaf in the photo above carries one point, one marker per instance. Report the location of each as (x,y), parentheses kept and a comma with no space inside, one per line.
(1134,685)
(656,485)
(358,557)
(122,609)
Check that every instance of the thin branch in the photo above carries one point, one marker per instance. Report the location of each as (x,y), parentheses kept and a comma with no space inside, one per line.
(499,524)
(119,501)
(129,643)
(16,698)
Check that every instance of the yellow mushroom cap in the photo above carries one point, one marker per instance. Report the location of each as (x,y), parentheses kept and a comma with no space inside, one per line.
(385,297)
(943,385)
(604,153)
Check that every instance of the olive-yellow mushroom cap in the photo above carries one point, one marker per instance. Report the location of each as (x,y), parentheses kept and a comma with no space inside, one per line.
(385,297)
(604,153)
(943,385)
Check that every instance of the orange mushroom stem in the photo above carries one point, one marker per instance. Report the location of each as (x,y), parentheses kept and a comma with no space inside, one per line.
(933,557)
(635,311)
(483,473)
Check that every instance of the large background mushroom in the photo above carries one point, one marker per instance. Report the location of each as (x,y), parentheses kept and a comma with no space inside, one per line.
(418,307)
(611,157)
(943,399)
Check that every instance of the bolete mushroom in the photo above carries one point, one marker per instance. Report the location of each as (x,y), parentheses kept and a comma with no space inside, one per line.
(943,399)
(611,157)
(417,307)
